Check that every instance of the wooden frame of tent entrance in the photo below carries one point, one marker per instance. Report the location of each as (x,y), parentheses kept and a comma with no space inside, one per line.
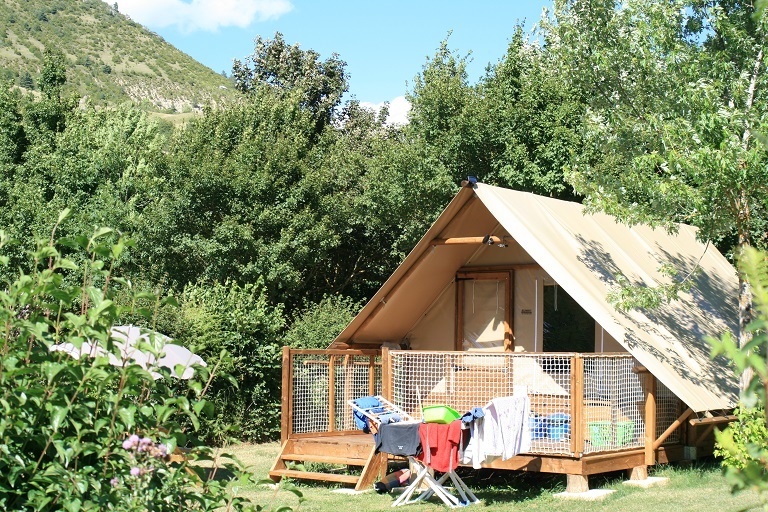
(317,426)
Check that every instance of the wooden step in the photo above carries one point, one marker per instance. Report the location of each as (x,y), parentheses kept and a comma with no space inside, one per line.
(353,449)
(346,449)
(310,475)
(325,459)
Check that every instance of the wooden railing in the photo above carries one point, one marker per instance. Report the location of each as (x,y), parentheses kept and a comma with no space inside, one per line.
(316,385)
(609,404)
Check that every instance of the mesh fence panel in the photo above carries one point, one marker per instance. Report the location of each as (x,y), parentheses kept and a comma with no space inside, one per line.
(668,409)
(613,404)
(322,384)
(466,380)
(352,380)
(612,410)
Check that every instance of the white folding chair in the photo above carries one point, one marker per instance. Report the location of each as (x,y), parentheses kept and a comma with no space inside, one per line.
(436,487)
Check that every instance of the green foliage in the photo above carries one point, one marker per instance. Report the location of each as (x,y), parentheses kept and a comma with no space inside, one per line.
(528,125)
(318,324)
(237,322)
(105,165)
(291,70)
(741,440)
(26,81)
(676,94)
(743,445)
(439,97)
(255,192)
(627,296)
(66,422)
(517,128)
(12,137)
(54,74)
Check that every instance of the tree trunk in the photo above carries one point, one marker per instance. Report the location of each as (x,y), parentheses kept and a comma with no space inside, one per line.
(745,313)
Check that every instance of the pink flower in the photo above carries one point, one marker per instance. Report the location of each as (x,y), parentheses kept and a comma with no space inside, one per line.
(114,482)
(127,444)
(134,439)
(135,471)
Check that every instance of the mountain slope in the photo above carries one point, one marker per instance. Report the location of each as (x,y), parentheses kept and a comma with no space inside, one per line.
(110,58)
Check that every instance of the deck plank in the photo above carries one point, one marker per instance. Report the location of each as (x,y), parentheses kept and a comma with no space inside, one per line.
(310,475)
(325,459)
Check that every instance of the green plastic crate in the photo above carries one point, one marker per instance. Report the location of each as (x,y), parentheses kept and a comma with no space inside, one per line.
(601,433)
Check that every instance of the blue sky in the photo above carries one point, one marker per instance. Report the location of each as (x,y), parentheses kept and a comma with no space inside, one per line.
(385,43)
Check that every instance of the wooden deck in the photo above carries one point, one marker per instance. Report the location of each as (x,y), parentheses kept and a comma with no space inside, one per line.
(358,466)
(317,423)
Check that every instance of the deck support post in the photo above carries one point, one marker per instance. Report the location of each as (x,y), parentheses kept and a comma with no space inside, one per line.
(374,469)
(332,393)
(577,483)
(638,473)
(371,375)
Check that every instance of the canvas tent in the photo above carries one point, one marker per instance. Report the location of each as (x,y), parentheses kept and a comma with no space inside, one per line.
(507,294)
(548,241)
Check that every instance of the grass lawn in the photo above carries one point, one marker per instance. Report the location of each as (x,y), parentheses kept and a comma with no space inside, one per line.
(696,487)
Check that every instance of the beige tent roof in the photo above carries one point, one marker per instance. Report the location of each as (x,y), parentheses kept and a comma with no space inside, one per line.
(583,254)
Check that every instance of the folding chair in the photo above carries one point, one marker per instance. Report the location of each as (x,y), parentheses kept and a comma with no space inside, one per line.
(436,487)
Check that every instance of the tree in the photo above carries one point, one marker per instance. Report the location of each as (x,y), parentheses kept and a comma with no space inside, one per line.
(678,94)
(516,128)
(216,317)
(54,74)
(441,95)
(12,137)
(743,445)
(106,165)
(289,69)
(528,123)
(318,324)
(26,81)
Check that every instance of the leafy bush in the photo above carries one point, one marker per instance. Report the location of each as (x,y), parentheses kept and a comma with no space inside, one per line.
(318,324)
(238,321)
(744,445)
(749,433)
(67,425)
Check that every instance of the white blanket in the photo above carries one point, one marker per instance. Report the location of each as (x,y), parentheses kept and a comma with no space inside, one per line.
(503,431)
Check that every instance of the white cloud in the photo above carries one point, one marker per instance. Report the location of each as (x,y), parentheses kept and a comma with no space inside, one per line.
(205,15)
(398,110)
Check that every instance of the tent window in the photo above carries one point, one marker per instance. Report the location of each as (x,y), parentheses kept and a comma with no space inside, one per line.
(567,327)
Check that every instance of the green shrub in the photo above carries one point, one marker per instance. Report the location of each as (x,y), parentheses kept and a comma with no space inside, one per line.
(318,324)
(747,434)
(67,424)
(744,445)
(240,322)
